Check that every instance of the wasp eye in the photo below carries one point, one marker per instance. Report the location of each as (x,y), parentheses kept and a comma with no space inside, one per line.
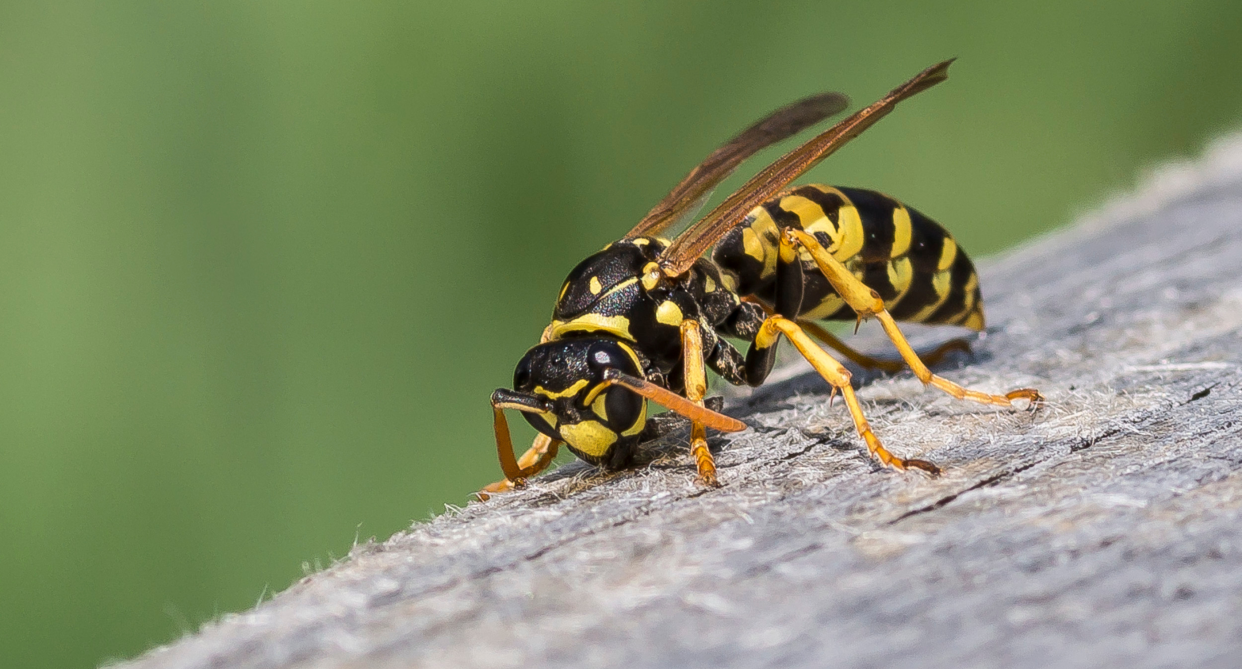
(521,375)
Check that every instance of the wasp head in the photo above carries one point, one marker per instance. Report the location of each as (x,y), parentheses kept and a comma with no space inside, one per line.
(561,390)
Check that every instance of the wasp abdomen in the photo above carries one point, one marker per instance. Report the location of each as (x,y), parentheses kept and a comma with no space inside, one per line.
(910,260)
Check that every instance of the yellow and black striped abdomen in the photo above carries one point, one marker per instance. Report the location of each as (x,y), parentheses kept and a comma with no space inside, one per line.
(913,263)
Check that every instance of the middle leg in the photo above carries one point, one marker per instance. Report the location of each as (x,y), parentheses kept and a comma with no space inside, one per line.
(696,388)
(760,358)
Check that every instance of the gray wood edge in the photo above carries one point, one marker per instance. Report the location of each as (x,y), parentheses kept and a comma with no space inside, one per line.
(1100,531)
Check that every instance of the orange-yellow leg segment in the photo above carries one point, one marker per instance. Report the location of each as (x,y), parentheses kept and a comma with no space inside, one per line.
(863,360)
(817,331)
(867,303)
(696,388)
(839,378)
(536,459)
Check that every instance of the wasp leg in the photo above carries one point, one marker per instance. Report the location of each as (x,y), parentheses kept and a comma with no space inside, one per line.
(540,454)
(932,357)
(696,388)
(862,359)
(515,472)
(867,303)
(759,359)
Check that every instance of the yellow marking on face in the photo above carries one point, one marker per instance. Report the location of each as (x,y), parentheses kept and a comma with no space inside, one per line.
(589,436)
(548,416)
(598,406)
(900,274)
(947,254)
(669,313)
(568,392)
(639,423)
(617,325)
(595,285)
(901,231)
(709,285)
(940,284)
(633,356)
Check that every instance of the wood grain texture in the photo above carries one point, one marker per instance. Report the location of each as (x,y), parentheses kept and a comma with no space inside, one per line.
(1103,530)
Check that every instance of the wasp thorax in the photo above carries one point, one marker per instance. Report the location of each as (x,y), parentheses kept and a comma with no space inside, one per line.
(600,422)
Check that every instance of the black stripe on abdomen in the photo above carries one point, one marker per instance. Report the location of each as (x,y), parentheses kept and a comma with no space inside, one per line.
(926,242)
(875,210)
(921,295)
(955,304)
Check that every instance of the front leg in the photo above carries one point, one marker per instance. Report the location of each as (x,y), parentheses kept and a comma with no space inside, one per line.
(696,388)
(536,458)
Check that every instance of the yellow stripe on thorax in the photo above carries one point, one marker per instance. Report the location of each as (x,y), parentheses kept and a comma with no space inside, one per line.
(589,322)
(616,325)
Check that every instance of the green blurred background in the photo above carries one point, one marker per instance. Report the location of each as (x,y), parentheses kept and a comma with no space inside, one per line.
(261,264)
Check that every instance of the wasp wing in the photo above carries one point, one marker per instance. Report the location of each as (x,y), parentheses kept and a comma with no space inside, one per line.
(678,257)
(689,195)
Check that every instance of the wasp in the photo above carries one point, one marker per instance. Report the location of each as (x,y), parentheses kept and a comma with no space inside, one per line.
(641,320)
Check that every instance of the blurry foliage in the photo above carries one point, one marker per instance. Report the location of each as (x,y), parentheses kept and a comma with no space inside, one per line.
(262,263)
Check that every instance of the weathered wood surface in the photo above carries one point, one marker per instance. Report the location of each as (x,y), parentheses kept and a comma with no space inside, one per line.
(1106,529)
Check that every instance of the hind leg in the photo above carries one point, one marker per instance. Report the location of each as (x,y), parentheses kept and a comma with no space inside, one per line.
(861,359)
(696,388)
(867,303)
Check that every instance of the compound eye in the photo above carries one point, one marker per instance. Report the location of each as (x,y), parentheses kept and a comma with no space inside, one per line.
(521,375)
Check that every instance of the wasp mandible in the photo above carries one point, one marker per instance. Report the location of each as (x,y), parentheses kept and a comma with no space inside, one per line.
(642,319)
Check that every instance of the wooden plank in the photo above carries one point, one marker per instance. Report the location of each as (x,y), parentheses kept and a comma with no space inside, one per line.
(1101,530)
